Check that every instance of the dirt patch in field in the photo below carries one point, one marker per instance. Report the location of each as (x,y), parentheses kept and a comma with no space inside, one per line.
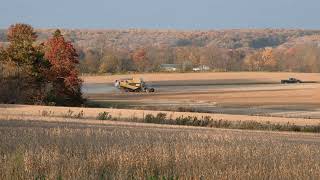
(239,76)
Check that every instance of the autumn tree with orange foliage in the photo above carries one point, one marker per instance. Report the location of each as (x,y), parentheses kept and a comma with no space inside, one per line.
(263,60)
(269,61)
(63,74)
(140,60)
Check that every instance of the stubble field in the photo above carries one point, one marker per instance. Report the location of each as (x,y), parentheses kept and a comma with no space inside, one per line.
(51,150)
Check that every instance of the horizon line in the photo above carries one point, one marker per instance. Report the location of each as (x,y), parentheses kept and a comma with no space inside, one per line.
(166,29)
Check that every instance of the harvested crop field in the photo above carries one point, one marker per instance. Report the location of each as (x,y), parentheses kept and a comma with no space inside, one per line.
(44,142)
(244,93)
(55,150)
(259,76)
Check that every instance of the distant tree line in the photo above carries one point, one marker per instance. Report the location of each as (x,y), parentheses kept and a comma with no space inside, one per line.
(299,58)
(119,51)
(33,73)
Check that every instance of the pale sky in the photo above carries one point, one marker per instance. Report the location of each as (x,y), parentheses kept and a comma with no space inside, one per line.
(162,14)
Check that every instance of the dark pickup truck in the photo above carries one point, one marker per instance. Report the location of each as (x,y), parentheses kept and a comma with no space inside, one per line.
(291,81)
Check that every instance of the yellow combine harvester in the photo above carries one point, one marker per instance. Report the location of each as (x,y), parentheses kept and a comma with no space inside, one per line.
(133,85)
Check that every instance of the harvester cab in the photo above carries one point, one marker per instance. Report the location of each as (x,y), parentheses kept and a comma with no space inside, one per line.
(133,85)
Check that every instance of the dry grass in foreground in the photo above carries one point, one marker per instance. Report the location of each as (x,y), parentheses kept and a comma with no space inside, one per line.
(48,150)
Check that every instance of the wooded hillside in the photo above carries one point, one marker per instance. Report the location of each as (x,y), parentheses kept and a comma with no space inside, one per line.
(135,38)
(112,51)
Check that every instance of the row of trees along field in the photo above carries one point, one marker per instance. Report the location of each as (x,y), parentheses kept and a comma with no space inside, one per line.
(36,73)
(299,58)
